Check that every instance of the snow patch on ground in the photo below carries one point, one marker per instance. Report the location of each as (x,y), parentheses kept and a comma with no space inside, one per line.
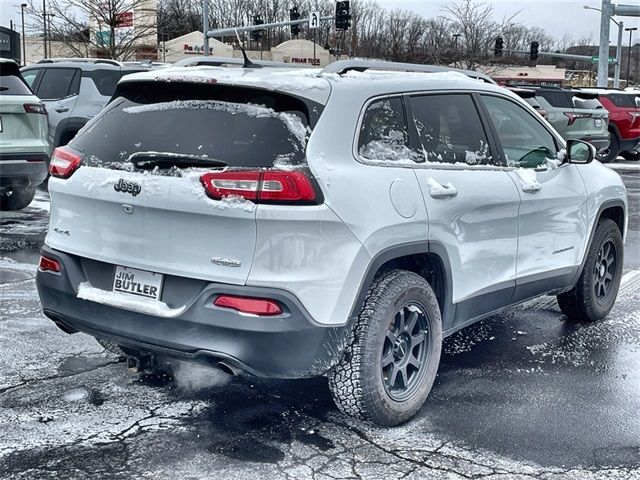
(10,264)
(122,300)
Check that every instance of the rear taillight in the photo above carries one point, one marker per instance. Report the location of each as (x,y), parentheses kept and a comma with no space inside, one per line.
(574,116)
(47,264)
(64,162)
(35,108)
(249,305)
(260,186)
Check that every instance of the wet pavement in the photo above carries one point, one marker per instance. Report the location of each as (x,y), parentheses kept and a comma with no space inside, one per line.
(521,395)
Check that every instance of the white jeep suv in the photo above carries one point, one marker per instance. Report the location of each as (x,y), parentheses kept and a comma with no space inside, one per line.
(294,223)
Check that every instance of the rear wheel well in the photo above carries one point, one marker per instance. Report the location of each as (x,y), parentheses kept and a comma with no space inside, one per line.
(427,265)
(616,214)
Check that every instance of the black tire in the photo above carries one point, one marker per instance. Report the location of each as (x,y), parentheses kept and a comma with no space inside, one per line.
(361,384)
(611,152)
(17,199)
(111,347)
(630,155)
(595,293)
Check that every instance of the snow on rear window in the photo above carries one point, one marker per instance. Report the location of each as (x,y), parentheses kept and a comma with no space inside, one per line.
(259,131)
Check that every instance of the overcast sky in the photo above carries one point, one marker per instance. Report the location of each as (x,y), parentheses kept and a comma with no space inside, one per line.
(556,17)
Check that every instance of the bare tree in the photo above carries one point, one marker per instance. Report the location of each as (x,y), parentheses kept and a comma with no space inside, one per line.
(106,28)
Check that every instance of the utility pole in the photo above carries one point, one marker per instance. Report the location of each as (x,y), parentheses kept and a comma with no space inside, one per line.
(630,30)
(44,26)
(205,25)
(616,76)
(603,51)
(24,50)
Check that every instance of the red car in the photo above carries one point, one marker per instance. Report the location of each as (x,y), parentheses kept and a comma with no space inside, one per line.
(624,122)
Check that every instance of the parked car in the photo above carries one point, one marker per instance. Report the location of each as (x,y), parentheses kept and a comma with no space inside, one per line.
(529,96)
(74,91)
(24,149)
(576,115)
(624,122)
(300,223)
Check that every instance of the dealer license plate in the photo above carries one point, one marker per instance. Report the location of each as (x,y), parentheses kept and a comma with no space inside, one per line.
(137,282)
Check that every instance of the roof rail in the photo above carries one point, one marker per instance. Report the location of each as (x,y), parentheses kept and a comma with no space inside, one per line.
(222,61)
(343,66)
(106,61)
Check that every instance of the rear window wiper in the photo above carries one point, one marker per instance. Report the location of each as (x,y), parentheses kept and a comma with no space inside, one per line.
(164,160)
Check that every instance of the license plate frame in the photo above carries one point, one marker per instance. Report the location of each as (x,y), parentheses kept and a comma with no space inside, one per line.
(137,283)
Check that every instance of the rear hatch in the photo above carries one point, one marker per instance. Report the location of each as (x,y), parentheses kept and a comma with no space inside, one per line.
(589,118)
(23,120)
(143,195)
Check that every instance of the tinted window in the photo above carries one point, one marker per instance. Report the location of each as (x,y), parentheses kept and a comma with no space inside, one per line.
(105,80)
(526,143)
(533,102)
(238,127)
(587,103)
(56,83)
(13,85)
(450,130)
(556,99)
(623,100)
(384,135)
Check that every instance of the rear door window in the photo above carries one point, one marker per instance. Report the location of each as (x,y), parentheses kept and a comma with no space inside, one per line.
(384,135)
(57,83)
(450,130)
(30,76)
(226,126)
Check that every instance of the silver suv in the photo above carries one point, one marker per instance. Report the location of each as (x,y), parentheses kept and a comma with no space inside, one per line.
(294,223)
(74,91)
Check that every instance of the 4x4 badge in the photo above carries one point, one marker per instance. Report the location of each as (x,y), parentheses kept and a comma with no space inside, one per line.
(127,187)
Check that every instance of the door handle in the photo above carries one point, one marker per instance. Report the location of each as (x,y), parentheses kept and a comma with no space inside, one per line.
(531,188)
(441,191)
(61,109)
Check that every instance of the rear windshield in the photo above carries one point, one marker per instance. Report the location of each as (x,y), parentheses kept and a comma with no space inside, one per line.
(235,127)
(587,103)
(558,99)
(12,84)
(623,100)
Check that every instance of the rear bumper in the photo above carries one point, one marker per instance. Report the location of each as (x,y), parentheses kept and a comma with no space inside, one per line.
(290,345)
(630,144)
(601,142)
(22,169)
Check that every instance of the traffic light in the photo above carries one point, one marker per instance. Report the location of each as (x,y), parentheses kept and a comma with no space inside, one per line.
(294,15)
(533,53)
(497,51)
(256,35)
(343,17)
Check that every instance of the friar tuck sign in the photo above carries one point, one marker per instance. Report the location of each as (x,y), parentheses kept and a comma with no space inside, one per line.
(311,61)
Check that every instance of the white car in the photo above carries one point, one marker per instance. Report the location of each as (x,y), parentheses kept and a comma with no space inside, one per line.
(24,149)
(293,223)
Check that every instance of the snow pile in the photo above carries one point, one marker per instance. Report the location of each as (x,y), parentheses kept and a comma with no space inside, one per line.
(10,264)
(528,178)
(128,302)
(236,201)
(436,188)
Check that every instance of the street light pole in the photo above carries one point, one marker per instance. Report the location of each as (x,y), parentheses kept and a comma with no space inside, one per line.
(205,25)
(44,26)
(603,50)
(616,75)
(630,30)
(455,43)
(24,51)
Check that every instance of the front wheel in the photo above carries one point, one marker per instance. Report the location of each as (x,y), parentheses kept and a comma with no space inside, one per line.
(595,293)
(387,371)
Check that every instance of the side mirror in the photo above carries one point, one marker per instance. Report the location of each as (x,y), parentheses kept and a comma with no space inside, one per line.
(579,151)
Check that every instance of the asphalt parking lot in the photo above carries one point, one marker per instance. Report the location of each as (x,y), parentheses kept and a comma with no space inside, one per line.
(520,395)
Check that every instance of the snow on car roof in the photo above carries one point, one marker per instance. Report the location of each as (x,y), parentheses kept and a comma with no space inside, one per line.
(311,83)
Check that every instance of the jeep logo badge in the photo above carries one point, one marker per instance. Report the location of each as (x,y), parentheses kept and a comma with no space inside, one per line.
(127,187)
